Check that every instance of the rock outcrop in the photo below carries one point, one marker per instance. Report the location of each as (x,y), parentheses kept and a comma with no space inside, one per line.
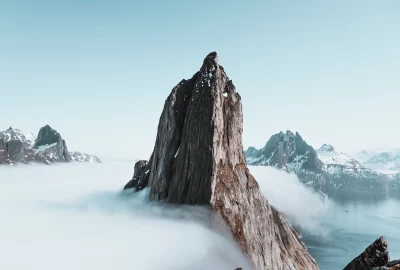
(198,159)
(393,265)
(376,255)
(50,144)
(140,174)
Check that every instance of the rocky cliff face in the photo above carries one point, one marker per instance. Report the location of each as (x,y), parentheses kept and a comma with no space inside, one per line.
(49,147)
(140,175)
(198,159)
(375,257)
(377,254)
(324,169)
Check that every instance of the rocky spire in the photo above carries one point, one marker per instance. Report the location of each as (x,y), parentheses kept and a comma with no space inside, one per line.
(48,136)
(198,159)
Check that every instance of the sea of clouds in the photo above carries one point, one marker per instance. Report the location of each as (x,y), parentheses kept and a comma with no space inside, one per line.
(75,216)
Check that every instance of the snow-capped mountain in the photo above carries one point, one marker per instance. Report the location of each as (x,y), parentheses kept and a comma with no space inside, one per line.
(328,155)
(14,134)
(364,155)
(325,169)
(82,157)
(385,162)
(49,147)
(347,171)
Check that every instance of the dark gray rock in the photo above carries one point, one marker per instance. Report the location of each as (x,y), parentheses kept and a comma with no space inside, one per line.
(3,152)
(198,159)
(51,146)
(141,174)
(15,150)
(392,265)
(376,255)
(289,152)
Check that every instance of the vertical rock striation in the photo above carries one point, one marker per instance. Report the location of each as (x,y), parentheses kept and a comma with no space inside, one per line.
(198,159)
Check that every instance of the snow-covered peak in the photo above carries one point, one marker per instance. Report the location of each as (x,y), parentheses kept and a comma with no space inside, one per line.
(384,162)
(326,148)
(14,134)
(328,155)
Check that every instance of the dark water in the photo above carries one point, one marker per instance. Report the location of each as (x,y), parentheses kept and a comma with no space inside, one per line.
(352,223)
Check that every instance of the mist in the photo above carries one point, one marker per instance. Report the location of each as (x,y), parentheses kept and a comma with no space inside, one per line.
(301,205)
(75,216)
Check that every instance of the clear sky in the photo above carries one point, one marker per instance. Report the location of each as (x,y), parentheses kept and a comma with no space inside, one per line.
(99,71)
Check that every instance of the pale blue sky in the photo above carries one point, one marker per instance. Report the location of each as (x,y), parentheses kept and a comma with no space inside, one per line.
(99,71)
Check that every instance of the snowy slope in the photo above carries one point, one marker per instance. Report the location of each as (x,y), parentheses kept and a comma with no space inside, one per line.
(328,155)
(347,171)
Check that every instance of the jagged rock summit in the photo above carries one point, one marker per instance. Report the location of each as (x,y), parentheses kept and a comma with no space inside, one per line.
(49,147)
(374,257)
(326,148)
(198,159)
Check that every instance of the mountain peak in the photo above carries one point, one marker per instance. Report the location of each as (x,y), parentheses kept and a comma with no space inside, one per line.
(211,59)
(11,128)
(326,148)
(216,173)
(289,133)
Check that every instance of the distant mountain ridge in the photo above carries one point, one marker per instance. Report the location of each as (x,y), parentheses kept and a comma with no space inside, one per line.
(387,162)
(324,169)
(17,146)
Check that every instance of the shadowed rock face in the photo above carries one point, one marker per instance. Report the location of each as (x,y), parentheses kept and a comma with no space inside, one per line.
(50,137)
(198,159)
(140,173)
(375,255)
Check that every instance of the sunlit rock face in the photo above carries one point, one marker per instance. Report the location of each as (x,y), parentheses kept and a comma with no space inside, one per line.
(198,159)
